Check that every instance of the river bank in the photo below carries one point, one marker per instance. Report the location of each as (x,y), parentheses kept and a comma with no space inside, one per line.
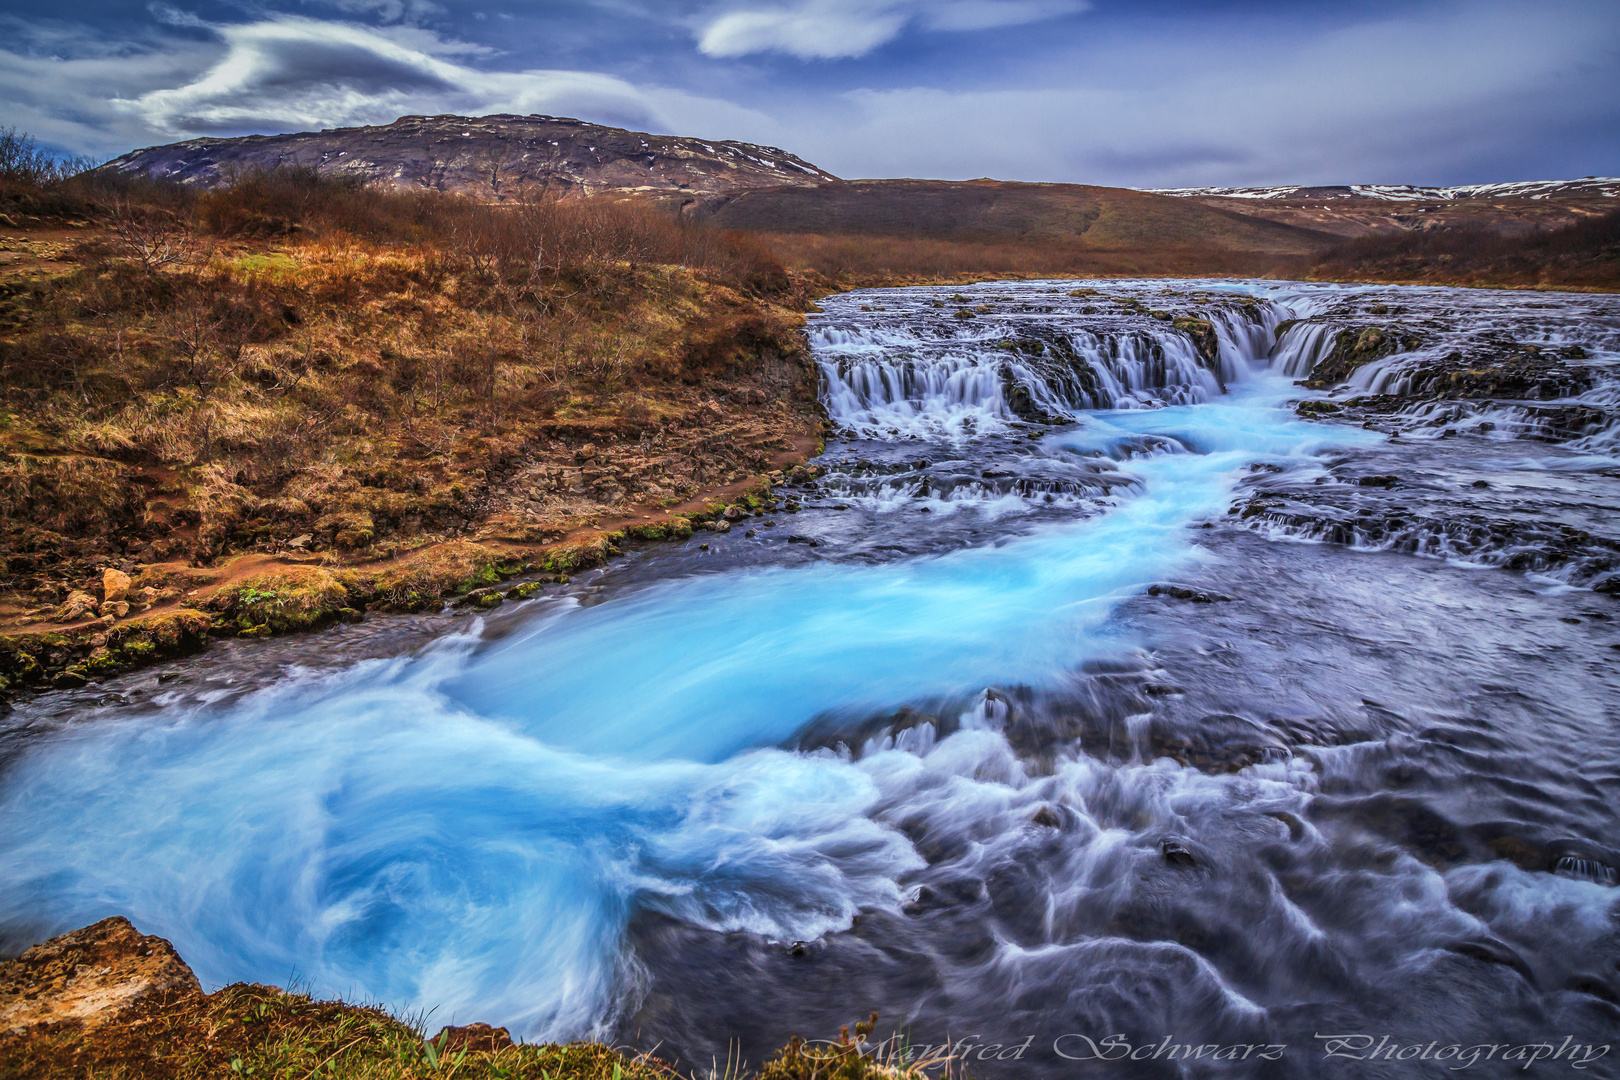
(272,407)
(1098,643)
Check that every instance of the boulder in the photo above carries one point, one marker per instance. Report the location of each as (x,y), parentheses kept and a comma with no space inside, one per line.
(77,606)
(114,585)
(477,1038)
(89,976)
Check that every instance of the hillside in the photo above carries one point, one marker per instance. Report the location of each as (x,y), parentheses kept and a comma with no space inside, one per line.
(977,210)
(1520,208)
(278,404)
(489,157)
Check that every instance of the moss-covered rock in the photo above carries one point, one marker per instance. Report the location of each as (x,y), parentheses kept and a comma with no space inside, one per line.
(68,660)
(1311,409)
(281,601)
(1202,332)
(1354,348)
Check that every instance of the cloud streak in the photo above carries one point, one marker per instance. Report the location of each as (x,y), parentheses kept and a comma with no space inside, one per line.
(294,73)
(839,29)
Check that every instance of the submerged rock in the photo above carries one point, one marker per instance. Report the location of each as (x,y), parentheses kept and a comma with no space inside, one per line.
(1176,853)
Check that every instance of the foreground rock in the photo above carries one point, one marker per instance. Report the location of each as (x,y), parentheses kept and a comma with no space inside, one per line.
(89,976)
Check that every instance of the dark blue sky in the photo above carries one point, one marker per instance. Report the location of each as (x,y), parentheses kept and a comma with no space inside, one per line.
(1154,93)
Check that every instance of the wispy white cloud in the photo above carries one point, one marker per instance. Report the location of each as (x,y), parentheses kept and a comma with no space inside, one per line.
(295,73)
(836,29)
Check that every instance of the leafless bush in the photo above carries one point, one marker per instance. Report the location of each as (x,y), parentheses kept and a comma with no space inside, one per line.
(24,162)
(151,236)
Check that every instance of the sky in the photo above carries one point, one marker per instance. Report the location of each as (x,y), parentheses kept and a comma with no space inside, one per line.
(1138,93)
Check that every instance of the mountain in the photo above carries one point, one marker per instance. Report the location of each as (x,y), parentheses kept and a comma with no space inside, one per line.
(489,156)
(1516,208)
(762,188)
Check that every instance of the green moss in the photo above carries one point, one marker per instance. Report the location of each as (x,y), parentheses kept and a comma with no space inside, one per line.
(282,601)
(269,263)
(484,578)
(100,665)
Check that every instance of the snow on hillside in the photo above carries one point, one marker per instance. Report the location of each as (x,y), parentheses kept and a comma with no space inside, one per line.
(1604,186)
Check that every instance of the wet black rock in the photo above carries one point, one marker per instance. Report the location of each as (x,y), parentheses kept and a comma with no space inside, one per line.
(1047,818)
(1176,853)
(1180,592)
(1216,743)
(1492,951)
(1355,347)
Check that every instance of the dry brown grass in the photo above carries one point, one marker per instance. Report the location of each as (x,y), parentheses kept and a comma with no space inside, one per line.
(299,354)
(860,261)
(246,1030)
(1585,255)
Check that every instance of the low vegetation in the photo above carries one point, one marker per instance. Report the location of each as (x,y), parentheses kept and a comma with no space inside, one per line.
(300,370)
(1585,255)
(247,1030)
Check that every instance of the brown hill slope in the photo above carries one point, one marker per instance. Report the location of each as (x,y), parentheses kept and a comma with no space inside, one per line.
(984,210)
(490,157)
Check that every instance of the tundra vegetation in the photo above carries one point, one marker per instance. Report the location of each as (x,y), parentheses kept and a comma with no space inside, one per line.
(287,400)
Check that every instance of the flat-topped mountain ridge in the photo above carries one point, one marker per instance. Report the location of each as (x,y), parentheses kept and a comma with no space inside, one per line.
(492,157)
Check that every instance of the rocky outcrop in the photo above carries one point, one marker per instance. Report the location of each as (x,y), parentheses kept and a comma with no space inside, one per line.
(494,157)
(1356,347)
(89,976)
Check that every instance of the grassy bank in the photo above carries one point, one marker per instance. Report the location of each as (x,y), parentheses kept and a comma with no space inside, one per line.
(402,396)
(109,1002)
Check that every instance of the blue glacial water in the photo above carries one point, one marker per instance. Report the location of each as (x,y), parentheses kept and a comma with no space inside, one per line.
(950,758)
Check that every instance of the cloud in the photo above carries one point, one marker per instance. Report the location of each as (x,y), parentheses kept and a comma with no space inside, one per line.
(1443,95)
(293,73)
(389,11)
(835,29)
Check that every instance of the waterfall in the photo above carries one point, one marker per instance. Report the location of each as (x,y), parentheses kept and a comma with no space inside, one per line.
(913,374)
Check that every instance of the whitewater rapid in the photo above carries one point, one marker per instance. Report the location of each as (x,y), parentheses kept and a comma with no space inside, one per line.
(554,819)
